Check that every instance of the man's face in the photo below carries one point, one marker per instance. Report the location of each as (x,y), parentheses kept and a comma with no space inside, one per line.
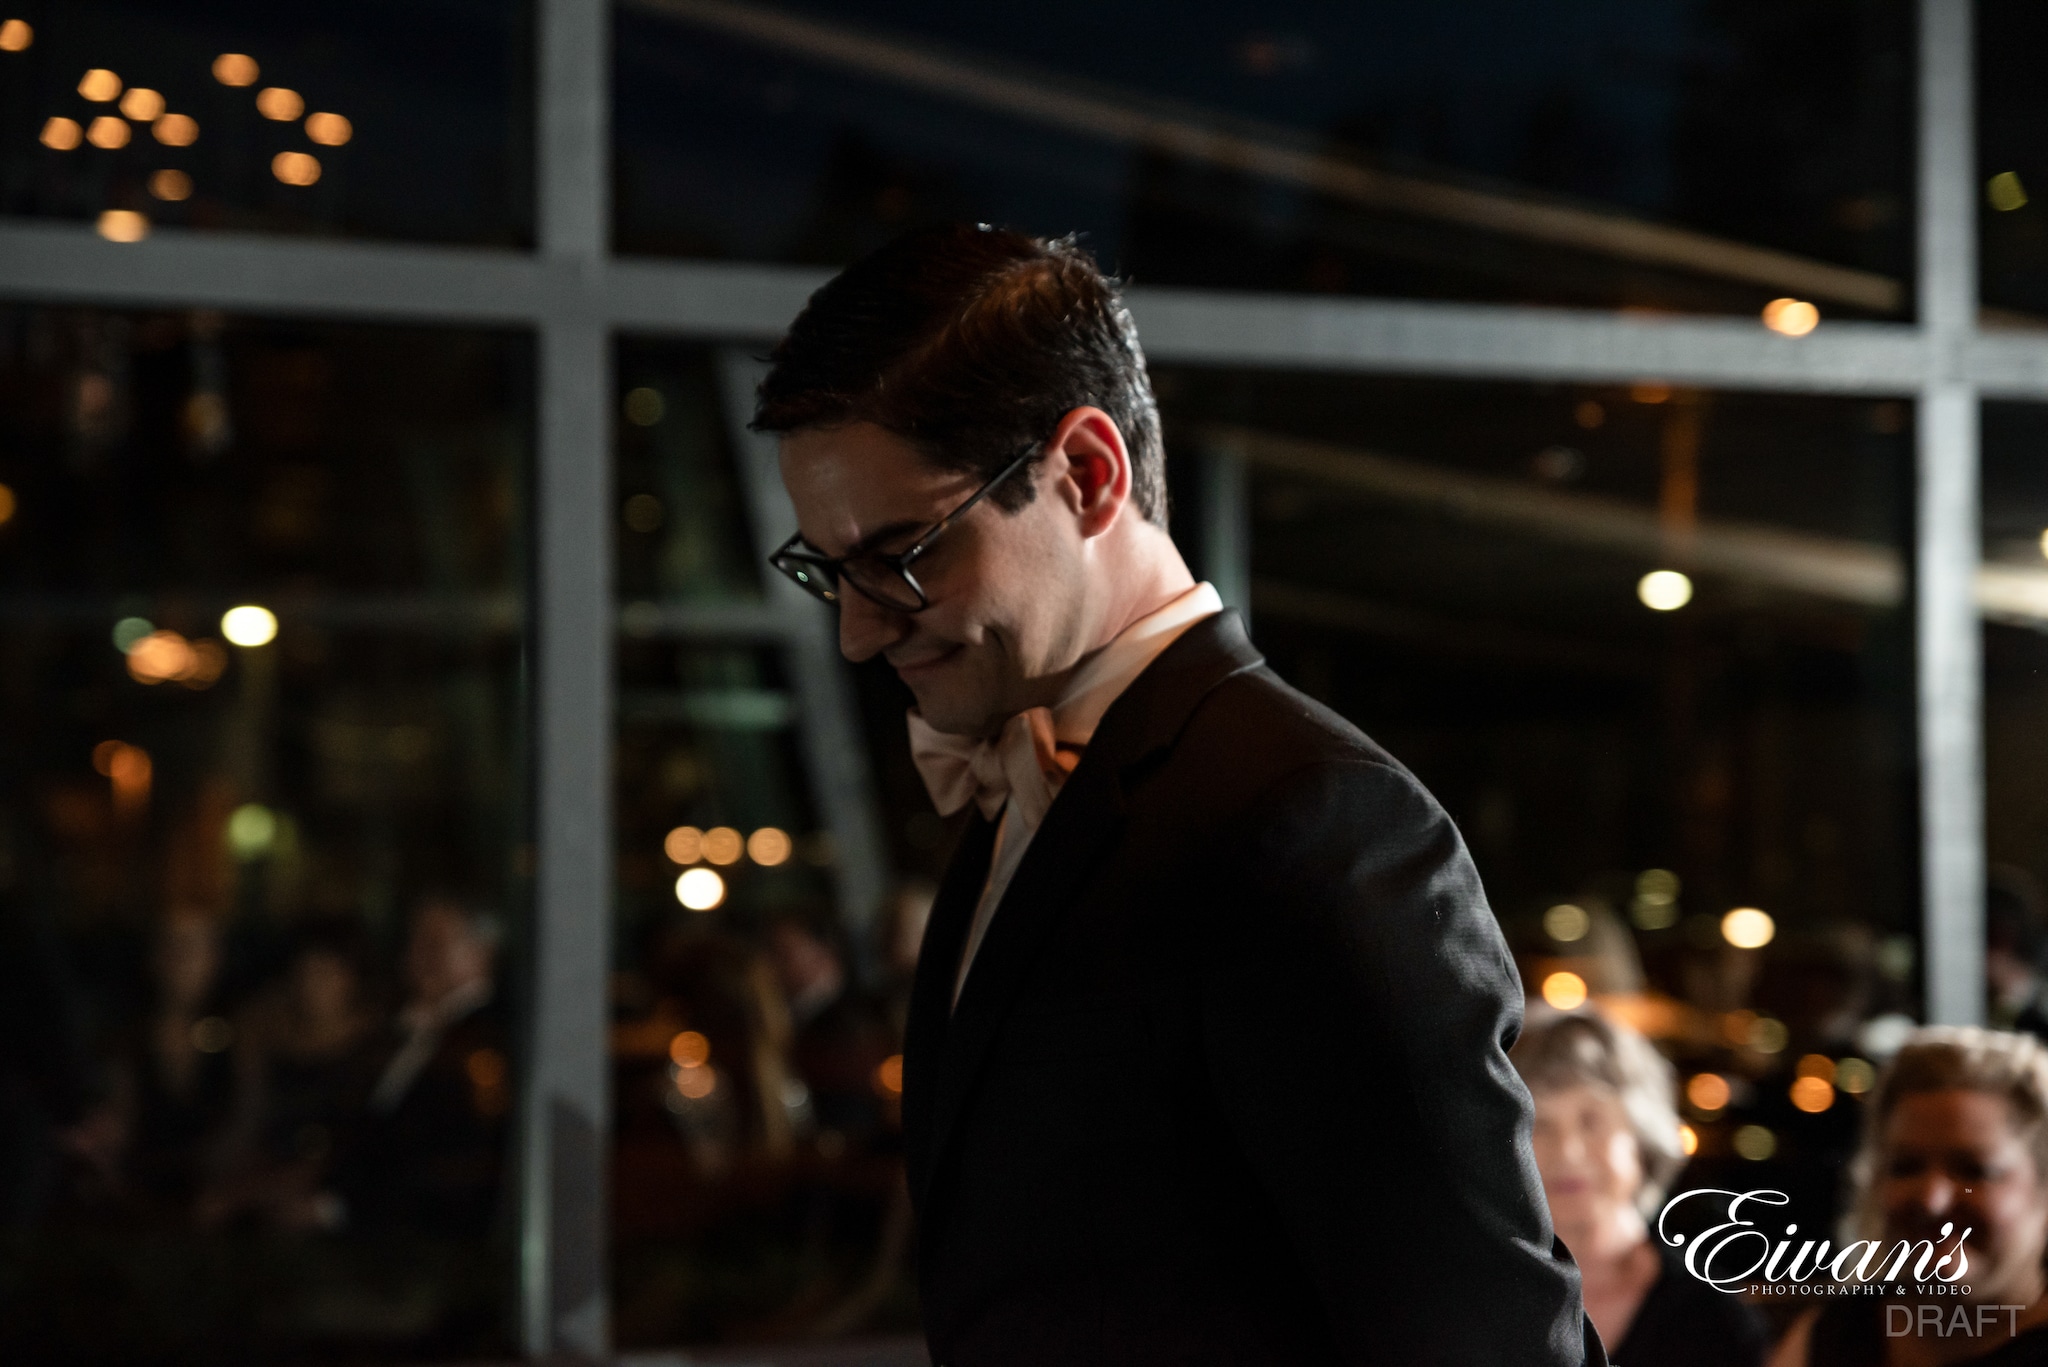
(1958,1158)
(1002,586)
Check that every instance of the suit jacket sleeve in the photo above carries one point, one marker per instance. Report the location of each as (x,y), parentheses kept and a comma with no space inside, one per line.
(1358,1003)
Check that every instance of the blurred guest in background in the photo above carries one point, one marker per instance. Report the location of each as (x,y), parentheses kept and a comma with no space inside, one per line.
(302,1079)
(429,1151)
(741,1097)
(1607,1147)
(2015,945)
(841,1035)
(176,1087)
(1955,1138)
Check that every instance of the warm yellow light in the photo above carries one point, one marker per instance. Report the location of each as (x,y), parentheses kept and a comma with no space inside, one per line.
(2044,544)
(1855,1076)
(1813,1094)
(276,102)
(16,35)
(1748,928)
(99,85)
(700,889)
(690,1050)
(142,104)
(1650,391)
(1565,990)
(2005,192)
(1688,1140)
(109,132)
(1566,923)
(1815,1065)
(696,1083)
(644,406)
(171,185)
(7,505)
(723,845)
(1589,414)
(160,657)
(1707,1091)
(1664,590)
(235,68)
(62,134)
(123,225)
(249,625)
(684,845)
(1792,317)
(329,130)
(768,846)
(1755,1143)
(295,168)
(176,130)
(889,1075)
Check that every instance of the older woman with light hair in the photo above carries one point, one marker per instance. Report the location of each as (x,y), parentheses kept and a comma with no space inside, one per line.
(1607,1145)
(1955,1139)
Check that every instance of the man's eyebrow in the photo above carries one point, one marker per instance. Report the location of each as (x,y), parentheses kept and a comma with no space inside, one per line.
(888,531)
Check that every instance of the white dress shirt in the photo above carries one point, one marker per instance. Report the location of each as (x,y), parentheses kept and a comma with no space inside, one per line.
(1097,684)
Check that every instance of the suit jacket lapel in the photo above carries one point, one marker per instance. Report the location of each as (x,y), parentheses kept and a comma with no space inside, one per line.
(1080,829)
(931,989)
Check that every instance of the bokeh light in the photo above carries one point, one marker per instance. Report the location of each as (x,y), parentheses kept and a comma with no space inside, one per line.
(62,134)
(329,130)
(1688,1140)
(123,225)
(159,657)
(696,1083)
(889,1075)
(1855,1076)
(1815,1065)
(1664,590)
(2005,193)
(16,35)
(1566,922)
(1791,317)
(700,889)
(1707,1091)
(1748,928)
(252,831)
(236,68)
(99,85)
(176,130)
(1755,1143)
(684,845)
(108,133)
(1813,1094)
(7,505)
(142,104)
(723,845)
(249,625)
(1565,990)
(690,1049)
(769,846)
(295,168)
(171,184)
(277,102)
(643,406)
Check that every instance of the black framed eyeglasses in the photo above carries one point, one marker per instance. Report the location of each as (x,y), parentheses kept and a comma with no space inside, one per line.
(884,578)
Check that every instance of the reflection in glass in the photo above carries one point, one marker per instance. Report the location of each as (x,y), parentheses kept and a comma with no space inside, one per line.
(1611,154)
(309,118)
(262,880)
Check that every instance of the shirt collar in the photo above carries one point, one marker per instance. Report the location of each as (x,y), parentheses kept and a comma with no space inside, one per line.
(1109,671)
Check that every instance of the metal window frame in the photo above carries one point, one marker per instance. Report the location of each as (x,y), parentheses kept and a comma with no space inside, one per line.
(576,296)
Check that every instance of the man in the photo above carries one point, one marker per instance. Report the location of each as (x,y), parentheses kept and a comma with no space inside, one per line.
(1205,1060)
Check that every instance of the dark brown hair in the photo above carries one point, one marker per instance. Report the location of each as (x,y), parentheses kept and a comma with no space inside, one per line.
(973,342)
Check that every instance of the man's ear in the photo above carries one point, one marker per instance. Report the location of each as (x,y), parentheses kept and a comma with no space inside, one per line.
(1095,482)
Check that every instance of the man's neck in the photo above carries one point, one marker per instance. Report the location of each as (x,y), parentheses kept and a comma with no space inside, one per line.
(1138,578)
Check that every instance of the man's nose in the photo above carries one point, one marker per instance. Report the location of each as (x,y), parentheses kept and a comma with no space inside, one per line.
(866,628)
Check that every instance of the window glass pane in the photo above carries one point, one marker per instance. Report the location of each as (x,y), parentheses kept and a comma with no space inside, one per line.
(395,121)
(263,862)
(2012,122)
(2014,592)
(1465,571)
(1473,150)
(755,1170)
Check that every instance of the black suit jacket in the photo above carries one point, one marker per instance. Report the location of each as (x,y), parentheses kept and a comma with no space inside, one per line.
(1227,1082)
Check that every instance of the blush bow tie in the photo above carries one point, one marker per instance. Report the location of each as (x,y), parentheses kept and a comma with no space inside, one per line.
(1022,763)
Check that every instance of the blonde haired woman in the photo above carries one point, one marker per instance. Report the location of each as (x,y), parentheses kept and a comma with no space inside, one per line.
(1607,1146)
(1956,1135)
